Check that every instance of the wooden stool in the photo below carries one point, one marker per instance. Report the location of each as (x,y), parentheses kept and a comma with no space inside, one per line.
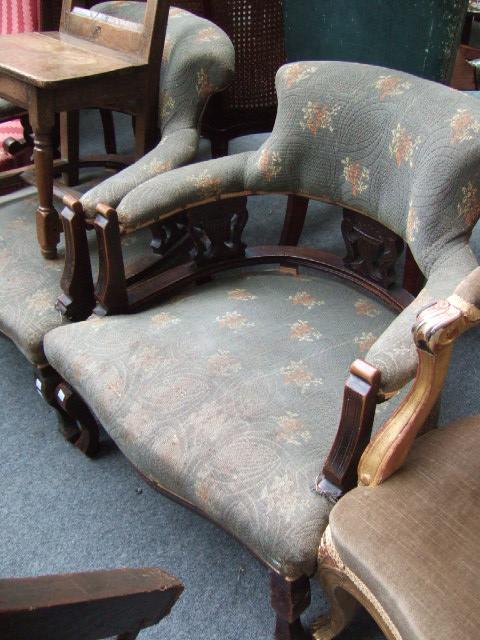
(91,61)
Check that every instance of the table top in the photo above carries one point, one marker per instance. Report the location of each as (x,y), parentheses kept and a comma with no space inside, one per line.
(50,58)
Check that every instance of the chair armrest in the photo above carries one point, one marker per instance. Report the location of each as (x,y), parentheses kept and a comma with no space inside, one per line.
(434,333)
(91,605)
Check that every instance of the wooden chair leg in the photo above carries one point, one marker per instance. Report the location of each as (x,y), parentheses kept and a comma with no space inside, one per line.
(69,144)
(294,220)
(46,382)
(111,287)
(289,599)
(81,427)
(108,131)
(343,606)
(77,300)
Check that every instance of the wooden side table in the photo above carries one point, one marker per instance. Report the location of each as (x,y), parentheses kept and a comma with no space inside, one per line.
(91,62)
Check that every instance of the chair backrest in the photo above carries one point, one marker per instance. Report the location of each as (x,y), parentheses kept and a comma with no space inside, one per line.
(402,150)
(137,39)
(419,37)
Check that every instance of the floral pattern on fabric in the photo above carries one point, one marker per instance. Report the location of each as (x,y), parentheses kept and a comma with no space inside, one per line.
(463,126)
(206,184)
(365,341)
(303,331)
(402,145)
(365,307)
(318,116)
(203,84)
(355,175)
(241,294)
(469,207)
(305,299)
(390,85)
(270,164)
(297,72)
(234,320)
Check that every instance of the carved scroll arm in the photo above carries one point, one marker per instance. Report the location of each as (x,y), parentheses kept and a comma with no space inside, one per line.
(435,331)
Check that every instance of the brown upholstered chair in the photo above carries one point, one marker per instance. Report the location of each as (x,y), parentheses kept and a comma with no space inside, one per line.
(90,606)
(408,550)
(228,397)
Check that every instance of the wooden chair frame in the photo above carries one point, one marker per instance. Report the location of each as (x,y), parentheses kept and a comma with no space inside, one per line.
(133,86)
(218,247)
(92,605)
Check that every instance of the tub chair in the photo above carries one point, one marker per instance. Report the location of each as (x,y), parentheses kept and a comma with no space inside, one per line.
(442,474)
(230,396)
(198,61)
(29,286)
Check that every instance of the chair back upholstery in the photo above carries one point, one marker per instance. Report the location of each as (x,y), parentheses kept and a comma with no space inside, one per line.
(395,147)
(419,37)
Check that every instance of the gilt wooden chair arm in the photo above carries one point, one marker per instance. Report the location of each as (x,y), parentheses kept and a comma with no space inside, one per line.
(434,333)
(87,606)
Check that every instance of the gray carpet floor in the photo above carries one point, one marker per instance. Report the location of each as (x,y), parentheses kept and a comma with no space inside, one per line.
(61,512)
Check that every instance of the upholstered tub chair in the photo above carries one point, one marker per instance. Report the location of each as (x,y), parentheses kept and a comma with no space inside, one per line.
(198,61)
(228,396)
(424,584)
(29,286)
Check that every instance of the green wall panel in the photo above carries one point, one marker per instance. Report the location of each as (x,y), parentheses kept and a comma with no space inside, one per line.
(418,36)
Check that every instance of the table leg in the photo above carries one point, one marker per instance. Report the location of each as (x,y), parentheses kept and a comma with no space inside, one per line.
(47,217)
(146,121)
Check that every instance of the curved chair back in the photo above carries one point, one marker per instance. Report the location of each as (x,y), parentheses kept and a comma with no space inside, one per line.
(401,150)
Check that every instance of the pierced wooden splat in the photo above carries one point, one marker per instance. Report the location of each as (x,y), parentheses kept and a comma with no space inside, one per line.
(216,230)
(372,249)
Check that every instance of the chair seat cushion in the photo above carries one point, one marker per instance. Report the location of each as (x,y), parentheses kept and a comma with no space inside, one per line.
(228,397)
(414,540)
(29,284)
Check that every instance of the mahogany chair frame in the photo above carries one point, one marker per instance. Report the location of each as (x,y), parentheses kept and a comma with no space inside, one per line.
(91,605)
(216,228)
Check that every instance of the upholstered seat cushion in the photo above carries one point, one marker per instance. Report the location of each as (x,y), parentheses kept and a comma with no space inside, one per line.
(29,284)
(229,396)
(414,540)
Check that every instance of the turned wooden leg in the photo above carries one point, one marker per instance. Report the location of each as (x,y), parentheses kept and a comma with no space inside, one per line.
(69,145)
(294,220)
(111,287)
(108,131)
(79,426)
(289,599)
(47,217)
(77,300)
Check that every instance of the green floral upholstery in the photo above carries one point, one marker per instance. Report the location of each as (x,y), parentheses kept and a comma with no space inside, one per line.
(229,397)
(29,284)
(397,148)
(198,60)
